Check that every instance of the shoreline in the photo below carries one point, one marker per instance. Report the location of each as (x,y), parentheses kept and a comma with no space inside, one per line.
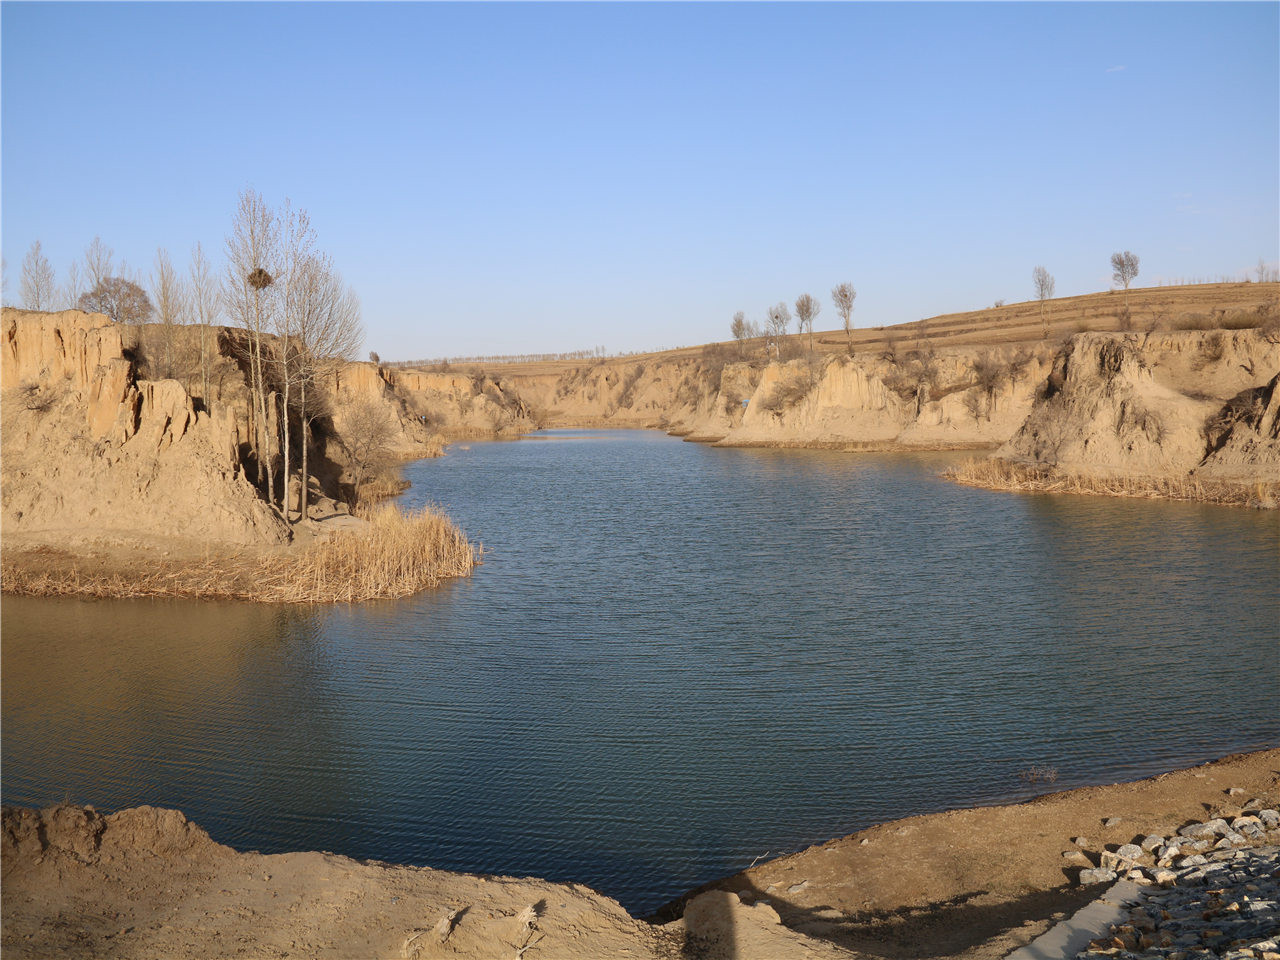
(973,882)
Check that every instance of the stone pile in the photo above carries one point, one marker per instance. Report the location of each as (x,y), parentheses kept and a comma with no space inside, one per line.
(1214,892)
(1162,860)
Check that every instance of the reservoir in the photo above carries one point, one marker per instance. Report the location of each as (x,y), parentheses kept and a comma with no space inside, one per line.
(674,659)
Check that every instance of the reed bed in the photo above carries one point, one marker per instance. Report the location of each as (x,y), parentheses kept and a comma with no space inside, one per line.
(396,554)
(997,474)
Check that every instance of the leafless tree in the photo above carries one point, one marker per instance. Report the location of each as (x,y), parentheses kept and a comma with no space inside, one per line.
(97,262)
(367,440)
(252,254)
(69,292)
(205,307)
(1124,268)
(328,334)
(123,301)
(374,358)
(843,295)
(37,280)
(740,330)
(1044,284)
(778,322)
(297,248)
(807,309)
(170,297)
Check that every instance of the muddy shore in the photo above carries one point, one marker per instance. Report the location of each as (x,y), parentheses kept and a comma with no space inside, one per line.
(973,884)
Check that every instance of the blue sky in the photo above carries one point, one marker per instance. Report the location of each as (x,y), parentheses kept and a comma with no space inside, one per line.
(525,177)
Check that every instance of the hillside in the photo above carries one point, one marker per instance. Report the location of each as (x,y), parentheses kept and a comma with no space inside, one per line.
(1204,355)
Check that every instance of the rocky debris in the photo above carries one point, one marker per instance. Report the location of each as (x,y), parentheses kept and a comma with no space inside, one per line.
(1227,906)
(1194,845)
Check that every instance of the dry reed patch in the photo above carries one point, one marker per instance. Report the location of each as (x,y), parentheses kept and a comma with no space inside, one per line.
(996,474)
(399,553)
(396,554)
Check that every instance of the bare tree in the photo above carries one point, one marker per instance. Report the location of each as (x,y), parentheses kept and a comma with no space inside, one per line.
(252,252)
(69,292)
(97,262)
(1124,268)
(123,301)
(170,296)
(777,323)
(367,440)
(297,248)
(328,333)
(807,308)
(740,330)
(37,280)
(1044,284)
(205,306)
(843,295)
(374,358)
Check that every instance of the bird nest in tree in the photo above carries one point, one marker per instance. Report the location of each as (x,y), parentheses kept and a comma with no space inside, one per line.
(259,278)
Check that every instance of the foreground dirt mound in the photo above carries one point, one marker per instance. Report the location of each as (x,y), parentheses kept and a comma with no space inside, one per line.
(90,453)
(970,884)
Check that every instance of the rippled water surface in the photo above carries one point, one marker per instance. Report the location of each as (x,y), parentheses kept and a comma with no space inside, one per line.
(674,659)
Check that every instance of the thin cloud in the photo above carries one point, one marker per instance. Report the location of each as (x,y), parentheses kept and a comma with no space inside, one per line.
(1115,69)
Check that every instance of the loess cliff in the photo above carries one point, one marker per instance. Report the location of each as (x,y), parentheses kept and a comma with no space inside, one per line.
(91,452)
(1197,404)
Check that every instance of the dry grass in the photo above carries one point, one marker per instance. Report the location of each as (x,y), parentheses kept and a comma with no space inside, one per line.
(997,474)
(400,553)
(395,555)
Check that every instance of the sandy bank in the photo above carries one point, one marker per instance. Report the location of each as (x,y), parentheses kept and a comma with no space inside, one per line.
(970,883)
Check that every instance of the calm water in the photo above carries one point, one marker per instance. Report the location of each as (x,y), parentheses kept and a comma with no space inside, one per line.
(674,659)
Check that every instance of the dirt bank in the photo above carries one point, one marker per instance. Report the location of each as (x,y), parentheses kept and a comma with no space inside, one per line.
(117,485)
(1183,387)
(967,883)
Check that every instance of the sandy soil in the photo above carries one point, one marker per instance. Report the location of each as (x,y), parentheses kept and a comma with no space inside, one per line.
(970,884)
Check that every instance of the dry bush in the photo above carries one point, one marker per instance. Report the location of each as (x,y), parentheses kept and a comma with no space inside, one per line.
(35,396)
(997,474)
(1212,350)
(786,394)
(1194,321)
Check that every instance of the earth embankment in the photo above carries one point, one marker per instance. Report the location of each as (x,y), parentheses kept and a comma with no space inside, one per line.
(970,884)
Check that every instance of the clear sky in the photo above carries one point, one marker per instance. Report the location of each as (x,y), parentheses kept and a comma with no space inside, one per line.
(500,178)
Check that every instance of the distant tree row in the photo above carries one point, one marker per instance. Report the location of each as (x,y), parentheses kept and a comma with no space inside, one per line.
(778,320)
(1124,268)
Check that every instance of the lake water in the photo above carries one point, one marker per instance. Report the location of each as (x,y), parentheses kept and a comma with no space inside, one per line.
(675,659)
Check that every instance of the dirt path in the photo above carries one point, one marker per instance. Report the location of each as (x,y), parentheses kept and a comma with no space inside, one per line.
(970,884)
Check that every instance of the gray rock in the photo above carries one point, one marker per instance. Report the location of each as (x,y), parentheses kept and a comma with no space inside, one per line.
(1130,851)
(1270,817)
(1082,842)
(1097,875)
(1151,841)
(1195,860)
(1196,830)
(1112,822)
